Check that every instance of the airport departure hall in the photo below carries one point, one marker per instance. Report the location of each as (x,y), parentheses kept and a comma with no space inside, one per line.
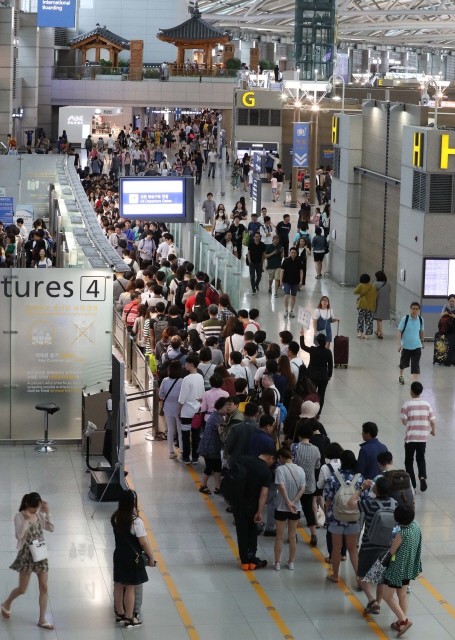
(227,320)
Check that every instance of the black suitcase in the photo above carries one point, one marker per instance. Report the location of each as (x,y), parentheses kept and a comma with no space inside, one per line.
(444,349)
(340,350)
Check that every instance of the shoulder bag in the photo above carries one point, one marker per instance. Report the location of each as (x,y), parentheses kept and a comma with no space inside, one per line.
(165,397)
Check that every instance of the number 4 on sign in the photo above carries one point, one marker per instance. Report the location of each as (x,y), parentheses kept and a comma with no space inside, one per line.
(93,288)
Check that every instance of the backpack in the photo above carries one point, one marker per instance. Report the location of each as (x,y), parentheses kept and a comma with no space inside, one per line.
(400,490)
(164,366)
(283,411)
(341,511)
(233,484)
(179,292)
(242,405)
(381,527)
(161,323)
(406,323)
(212,294)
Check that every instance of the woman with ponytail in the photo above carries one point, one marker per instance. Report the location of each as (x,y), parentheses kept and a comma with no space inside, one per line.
(33,518)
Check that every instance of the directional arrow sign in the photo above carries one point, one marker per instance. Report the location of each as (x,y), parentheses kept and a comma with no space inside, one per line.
(301,143)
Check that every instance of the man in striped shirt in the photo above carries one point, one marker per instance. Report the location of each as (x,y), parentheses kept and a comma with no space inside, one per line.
(418,418)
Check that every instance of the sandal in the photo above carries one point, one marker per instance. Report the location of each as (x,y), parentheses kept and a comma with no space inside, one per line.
(380,336)
(119,618)
(331,578)
(395,625)
(205,490)
(46,625)
(132,622)
(5,612)
(217,492)
(372,607)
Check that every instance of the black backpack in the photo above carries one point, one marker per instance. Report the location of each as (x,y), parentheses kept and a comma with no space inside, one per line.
(164,366)
(179,292)
(233,484)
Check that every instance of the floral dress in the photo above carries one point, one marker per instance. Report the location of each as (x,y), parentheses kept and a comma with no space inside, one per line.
(24,561)
(235,177)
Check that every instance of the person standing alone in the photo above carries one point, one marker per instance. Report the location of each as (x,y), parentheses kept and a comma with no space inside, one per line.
(411,333)
(256,255)
(291,277)
(418,418)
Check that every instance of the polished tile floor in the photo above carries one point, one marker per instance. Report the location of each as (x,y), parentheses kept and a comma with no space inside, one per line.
(203,594)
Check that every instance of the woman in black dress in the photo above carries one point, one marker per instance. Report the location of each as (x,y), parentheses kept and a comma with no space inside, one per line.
(129,567)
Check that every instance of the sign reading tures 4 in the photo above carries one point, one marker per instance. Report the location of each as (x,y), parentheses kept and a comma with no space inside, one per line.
(300,149)
(56,13)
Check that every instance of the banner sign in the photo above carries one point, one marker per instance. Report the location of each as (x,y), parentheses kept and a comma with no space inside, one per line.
(257,162)
(56,13)
(300,156)
(6,210)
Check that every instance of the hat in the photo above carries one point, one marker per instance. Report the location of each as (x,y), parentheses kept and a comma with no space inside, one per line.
(309,409)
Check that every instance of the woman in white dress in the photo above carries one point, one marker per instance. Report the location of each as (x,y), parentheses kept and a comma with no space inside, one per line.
(322,320)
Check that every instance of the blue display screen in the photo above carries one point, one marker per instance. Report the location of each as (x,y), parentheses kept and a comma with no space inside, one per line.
(145,198)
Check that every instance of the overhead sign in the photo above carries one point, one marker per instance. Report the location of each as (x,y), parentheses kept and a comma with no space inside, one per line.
(56,13)
(335,129)
(301,144)
(6,210)
(417,150)
(446,151)
(257,196)
(164,198)
(248,99)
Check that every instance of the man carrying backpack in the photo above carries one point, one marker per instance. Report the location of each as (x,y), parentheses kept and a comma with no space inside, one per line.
(411,335)
(377,535)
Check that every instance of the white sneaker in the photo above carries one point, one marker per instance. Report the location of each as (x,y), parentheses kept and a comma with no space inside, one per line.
(277,566)
(172,455)
(290,566)
(408,589)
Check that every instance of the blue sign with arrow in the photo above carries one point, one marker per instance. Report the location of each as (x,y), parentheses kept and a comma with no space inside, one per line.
(6,210)
(301,144)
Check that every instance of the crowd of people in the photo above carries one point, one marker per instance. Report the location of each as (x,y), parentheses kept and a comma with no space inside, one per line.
(251,408)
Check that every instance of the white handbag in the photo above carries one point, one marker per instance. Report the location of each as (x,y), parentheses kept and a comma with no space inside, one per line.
(38,550)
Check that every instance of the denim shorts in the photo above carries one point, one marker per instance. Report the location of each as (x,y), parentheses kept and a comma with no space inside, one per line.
(290,289)
(351,529)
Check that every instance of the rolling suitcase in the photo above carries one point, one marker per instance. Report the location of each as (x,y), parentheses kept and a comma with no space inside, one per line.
(444,352)
(340,350)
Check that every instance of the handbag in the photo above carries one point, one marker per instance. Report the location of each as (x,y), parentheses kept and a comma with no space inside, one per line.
(143,555)
(38,550)
(197,421)
(376,573)
(152,363)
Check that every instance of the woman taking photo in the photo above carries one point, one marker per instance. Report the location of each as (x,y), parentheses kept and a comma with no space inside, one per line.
(350,530)
(382,301)
(129,567)
(322,320)
(169,395)
(33,518)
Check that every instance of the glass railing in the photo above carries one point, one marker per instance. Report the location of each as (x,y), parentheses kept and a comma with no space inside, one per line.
(173,74)
(208,255)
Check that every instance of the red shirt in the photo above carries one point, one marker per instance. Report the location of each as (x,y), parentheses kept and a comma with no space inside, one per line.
(130,312)
(189,304)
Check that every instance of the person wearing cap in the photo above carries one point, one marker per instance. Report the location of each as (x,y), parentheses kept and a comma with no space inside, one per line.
(320,368)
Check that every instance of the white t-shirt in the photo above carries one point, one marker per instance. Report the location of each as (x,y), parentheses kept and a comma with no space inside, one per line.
(230,247)
(235,343)
(110,143)
(238,371)
(212,156)
(44,264)
(295,366)
(138,528)
(325,314)
(192,388)
(293,478)
(163,249)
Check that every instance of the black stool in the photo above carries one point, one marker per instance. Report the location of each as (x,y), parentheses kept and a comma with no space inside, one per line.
(45,445)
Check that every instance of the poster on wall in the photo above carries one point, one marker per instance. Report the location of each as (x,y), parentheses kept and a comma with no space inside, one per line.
(56,13)
(25,211)
(6,210)
(37,191)
(59,340)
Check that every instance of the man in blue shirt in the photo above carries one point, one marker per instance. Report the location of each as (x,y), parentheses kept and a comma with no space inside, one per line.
(254,225)
(410,341)
(367,462)
(129,233)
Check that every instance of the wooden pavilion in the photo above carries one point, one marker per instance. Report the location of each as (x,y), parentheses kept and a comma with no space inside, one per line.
(195,33)
(100,38)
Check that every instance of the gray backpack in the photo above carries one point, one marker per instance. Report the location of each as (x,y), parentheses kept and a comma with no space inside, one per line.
(341,511)
(382,524)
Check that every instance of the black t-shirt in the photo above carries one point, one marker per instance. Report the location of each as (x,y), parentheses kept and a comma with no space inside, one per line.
(258,476)
(237,232)
(291,270)
(283,229)
(256,251)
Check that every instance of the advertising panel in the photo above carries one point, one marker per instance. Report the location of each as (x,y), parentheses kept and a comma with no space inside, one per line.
(56,13)
(61,343)
(6,210)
